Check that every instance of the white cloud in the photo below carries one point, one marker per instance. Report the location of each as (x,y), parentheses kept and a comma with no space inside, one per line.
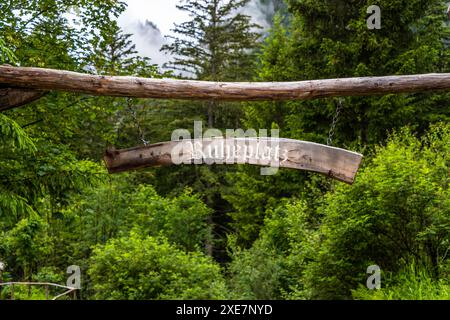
(163,14)
(259,13)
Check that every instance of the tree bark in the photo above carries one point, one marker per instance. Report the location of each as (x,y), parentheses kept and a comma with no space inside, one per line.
(16,97)
(124,86)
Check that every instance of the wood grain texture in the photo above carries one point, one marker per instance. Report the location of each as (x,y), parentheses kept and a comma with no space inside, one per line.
(123,86)
(337,163)
(16,97)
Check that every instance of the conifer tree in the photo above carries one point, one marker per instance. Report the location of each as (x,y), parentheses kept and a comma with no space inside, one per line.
(330,39)
(218,43)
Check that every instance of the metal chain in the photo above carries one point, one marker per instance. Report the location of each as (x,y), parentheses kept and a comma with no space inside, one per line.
(334,123)
(119,124)
(136,121)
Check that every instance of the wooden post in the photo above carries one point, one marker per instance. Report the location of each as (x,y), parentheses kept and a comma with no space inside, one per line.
(46,292)
(12,291)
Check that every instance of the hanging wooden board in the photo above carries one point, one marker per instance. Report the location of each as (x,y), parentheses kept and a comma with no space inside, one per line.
(334,162)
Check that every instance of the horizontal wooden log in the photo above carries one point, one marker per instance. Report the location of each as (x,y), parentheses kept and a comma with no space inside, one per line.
(16,97)
(124,86)
(337,163)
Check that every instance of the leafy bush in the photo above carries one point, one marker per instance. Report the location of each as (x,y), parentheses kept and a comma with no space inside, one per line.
(272,267)
(120,205)
(397,210)
(411,283)
(26,245)
(137,267)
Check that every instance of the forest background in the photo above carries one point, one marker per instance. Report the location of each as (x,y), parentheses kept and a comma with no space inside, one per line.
(226,232)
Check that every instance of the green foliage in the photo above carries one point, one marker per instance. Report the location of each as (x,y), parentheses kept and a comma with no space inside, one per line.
(49,274)
(395,213)
(294,235)
(139,267)
(23,293)
(13,137)
(330,39)
(182,220)
(39,33)
(411,283)
(216,44)
(253,196)
(256,273)
(6,55)
(51,172)
(112,209)
(26,245)
(273,267)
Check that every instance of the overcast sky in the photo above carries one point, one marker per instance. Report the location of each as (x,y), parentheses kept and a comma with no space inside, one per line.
(163,14)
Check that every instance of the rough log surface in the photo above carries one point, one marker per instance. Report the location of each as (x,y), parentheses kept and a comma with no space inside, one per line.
(14,97)
(120,86)
(334,162)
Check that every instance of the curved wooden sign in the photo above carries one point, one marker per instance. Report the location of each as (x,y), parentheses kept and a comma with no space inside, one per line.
(334,162)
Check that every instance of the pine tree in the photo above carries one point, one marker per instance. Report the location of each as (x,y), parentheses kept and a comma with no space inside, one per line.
(113,51)
(330,39)
(218,43)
